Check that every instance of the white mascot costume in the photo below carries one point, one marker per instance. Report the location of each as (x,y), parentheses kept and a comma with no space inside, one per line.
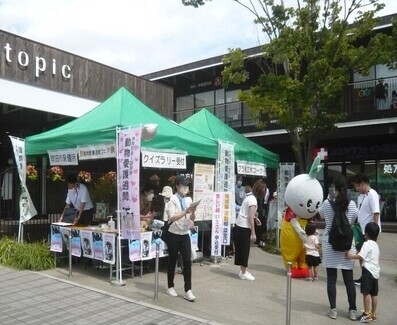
(303,197)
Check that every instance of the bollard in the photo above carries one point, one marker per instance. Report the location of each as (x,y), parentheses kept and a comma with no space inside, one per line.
(156,273)
(288,310)
(70,252)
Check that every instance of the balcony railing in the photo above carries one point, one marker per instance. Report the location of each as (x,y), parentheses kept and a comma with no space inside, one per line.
(359,104)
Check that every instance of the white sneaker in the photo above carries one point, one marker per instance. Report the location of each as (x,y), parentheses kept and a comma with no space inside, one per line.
(240,274)
(247,276)
(171,292)
(332,313)
(189,295)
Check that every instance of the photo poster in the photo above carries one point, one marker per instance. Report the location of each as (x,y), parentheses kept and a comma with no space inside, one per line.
(134,249)
(56,239)
(163,246)
(97,239)
(194,238)
(203,190)
(65,236)
(128,166)
(216,231)
(76,242)
(87,243)
(225,175)
(109,245)
(146,243)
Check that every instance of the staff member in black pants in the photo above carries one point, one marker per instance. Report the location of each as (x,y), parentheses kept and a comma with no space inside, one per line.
(181,218)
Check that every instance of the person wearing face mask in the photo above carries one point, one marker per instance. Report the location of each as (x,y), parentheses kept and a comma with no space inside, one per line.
(145,206)
(166,193)
(240,193)
(79,197)
(181,216)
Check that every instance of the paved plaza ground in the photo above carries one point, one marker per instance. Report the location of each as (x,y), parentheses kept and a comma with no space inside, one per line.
(52,297)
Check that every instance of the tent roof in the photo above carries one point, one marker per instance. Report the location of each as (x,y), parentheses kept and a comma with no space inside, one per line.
(209,125)
(122,109)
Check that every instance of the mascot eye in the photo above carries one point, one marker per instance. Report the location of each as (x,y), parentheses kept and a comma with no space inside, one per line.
(309,203)
(317,205)
(301,205)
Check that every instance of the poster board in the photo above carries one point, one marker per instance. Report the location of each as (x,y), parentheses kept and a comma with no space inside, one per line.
(203,190)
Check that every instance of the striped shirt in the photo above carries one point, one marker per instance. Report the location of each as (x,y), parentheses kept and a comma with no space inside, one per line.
(332,258)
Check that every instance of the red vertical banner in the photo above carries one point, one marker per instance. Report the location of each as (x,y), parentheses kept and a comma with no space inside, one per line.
(128,165)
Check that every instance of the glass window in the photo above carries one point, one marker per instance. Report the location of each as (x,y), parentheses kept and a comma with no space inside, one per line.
(247,120)
(382,71)
(185,102)
(357,77)
(184,107)
(231,96)
(219,96)
(219,108)
(205,99)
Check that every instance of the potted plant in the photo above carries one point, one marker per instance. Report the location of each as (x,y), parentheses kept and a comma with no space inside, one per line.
(56,174)
(31,173)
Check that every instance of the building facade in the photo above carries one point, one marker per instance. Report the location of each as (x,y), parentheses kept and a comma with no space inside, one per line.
(42,87)
(364,142)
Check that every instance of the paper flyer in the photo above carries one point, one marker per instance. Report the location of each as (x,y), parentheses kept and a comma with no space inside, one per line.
(109,241)
(98,246)
(146,243)
(87,243)
(134,250)
(56,239)
(76,243)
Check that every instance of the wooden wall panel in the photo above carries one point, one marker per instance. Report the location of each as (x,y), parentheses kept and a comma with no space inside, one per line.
(89,79)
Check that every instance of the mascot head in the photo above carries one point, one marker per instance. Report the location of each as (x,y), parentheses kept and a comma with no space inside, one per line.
(304,193)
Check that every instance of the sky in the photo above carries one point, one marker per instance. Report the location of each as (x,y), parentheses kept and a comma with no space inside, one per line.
(137,36)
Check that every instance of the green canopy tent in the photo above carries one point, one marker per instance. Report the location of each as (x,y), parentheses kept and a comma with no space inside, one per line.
(210,126)
(122,109)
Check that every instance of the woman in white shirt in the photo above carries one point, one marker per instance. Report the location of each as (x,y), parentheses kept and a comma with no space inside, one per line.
(245,228)
(181,219)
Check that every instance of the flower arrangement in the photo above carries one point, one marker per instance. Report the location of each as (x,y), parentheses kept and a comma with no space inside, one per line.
(105,189)
(31,173)
(56,174)
(84,176)
(155,180)
(171,179)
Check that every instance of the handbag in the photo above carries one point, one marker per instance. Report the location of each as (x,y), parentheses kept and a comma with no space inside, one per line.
(69,214)
(358,236)
(164,231)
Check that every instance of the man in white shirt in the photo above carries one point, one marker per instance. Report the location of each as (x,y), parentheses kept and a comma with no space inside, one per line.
(367,202)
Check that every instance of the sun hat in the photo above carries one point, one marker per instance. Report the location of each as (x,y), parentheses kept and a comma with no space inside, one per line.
(167,192)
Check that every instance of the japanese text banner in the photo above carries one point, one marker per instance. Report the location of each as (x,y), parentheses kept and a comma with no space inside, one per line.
(156,159)
(128,163)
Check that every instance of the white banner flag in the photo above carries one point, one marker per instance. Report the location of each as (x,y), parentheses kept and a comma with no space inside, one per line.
(26,206)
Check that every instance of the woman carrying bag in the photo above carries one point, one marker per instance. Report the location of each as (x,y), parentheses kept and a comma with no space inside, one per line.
(181,220)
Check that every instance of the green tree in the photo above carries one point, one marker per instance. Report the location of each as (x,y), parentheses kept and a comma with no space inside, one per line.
(311,52)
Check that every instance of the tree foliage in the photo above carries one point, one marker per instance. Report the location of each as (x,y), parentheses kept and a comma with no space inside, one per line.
(312,50)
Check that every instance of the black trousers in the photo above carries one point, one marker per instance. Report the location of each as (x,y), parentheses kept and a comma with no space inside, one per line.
(179,244)
(242,243)
(87,217)
(332,275)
